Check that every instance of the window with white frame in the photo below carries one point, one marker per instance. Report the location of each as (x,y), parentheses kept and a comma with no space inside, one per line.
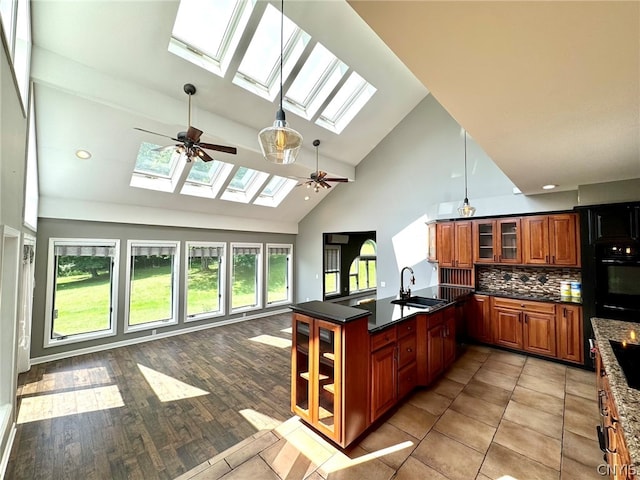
(362,273)
(152,289)
(82,287)
(205,280)
(331,269)
(279,273)
(246,276)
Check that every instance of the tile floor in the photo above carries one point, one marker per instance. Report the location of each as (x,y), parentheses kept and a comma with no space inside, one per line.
(493,415)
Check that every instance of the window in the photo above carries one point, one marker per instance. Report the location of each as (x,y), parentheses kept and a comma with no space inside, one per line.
(244,185)
(312,86)
(279,273)
(31,195)
(246,274)
(157,168)
(259,71)
(152,289)
(7,13)
(205,280)
(352,96)
(22,49)
(275,191)
(205,179)
(207,33)
(362,273)
(331,270)
(82,288)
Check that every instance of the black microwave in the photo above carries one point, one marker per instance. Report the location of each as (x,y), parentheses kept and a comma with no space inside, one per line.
(618,281)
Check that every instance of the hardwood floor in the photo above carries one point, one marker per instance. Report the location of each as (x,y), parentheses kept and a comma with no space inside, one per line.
(153,410)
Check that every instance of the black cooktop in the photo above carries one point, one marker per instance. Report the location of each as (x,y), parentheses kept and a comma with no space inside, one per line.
(628,356)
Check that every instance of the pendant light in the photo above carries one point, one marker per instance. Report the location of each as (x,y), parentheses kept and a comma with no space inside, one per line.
(466,210)
(279,143)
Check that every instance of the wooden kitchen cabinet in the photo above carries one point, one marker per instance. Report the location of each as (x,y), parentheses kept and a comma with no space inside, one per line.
(329,381)
(524,325)
(454,240)
(497,241)
(384,380)
(441,342)
(551,240)
(569,333)
(610,433)
(478,315)
(407,357)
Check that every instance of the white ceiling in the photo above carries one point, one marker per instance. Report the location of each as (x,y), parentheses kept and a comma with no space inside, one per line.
(549,90)
(101,68)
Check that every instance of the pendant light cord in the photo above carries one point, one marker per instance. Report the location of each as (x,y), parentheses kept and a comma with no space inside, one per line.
(465,165)
(281,46)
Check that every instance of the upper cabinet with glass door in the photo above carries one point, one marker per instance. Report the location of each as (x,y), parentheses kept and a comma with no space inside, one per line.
(497,241)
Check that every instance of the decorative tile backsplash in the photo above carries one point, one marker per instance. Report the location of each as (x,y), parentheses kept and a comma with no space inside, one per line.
(524,280)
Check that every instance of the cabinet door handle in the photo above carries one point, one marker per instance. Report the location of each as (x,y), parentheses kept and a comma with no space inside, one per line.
(546,258)
(409,350)
(606,433)
(603,409)
(525,319)
(553,259)
(564,312)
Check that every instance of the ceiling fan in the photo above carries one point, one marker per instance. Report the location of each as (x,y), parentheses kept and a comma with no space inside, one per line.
(189,142)
(319,179)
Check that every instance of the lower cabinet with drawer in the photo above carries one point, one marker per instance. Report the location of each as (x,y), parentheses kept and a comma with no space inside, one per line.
(524,325)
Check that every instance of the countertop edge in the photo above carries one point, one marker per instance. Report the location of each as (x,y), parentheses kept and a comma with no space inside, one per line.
(627,399)
(331,312)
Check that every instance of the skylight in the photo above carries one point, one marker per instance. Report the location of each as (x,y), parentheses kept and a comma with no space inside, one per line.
(206,178)
(351,97)
(317,78)
(157,168)
(207,33)
(275,191)
(244,185)
(259,71)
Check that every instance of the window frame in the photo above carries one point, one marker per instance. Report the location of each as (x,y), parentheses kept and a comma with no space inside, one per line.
(289,278)
(49,341)
(259,276)
(175,283)
(221,281)
(335,271)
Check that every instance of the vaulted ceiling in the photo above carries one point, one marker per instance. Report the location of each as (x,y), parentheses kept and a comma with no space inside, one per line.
(550,90)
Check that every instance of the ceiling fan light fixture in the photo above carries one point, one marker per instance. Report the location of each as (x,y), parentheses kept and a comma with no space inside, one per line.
(466,210)
(279,143)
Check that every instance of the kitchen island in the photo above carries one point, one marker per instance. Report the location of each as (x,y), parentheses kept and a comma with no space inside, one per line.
(619,404)
(351,364)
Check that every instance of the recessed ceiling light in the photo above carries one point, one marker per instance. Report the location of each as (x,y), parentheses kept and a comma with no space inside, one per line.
(550,186)
(83,154)
(307,197)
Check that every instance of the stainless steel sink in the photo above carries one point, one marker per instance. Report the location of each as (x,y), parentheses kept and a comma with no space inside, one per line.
(418,302)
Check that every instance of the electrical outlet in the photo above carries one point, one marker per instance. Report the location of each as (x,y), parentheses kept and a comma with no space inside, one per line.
(383,284)
(154,331)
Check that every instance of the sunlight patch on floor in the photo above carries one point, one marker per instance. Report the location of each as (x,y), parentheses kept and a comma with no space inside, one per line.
(43,407)
(507,477)
(273,341)
(340,461)
(81,377)
(167,388)
(288,330)
(260,421)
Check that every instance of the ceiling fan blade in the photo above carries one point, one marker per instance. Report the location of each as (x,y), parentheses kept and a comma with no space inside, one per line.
(155,133)
(194,134)
(343,180)
(202,155)
(324,184)
(219,148)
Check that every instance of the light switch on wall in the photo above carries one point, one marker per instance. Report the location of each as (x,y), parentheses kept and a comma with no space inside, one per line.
(383,284)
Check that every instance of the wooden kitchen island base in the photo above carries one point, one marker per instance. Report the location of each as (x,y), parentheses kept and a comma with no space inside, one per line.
(344,376)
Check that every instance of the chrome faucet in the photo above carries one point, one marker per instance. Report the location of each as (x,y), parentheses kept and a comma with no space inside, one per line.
(412,280)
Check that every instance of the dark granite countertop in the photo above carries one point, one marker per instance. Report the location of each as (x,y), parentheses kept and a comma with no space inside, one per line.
(627,399)
(332,312)
(384,313)
(537,297)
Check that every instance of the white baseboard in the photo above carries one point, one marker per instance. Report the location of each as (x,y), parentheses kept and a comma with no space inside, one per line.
(150,337)
(7,451)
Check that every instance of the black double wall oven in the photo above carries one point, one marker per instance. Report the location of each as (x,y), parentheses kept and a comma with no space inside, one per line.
(617,292)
